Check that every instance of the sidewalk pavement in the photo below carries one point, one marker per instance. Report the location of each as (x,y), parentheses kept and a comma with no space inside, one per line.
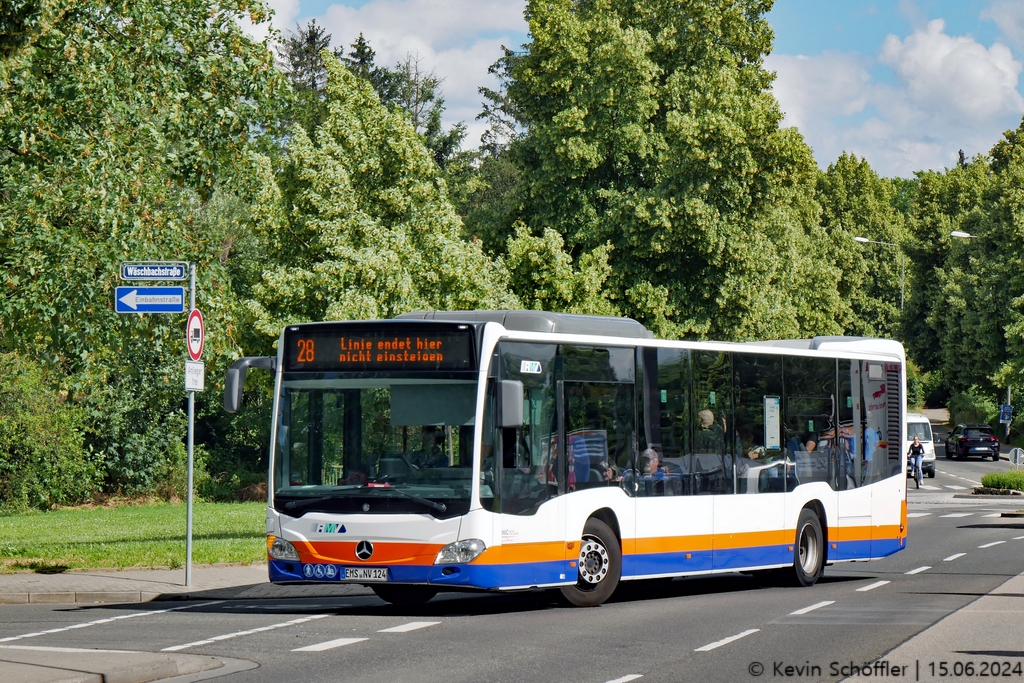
(28,664)
(208,583)
(983,639)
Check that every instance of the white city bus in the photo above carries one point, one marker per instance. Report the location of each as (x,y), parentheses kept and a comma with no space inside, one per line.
(508,450)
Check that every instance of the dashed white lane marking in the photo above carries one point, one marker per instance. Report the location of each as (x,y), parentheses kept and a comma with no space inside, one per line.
(953,557)
(955,487)
(994,514)
(1018,538)
(872,586)
(918,570)
(957,514)
(811,608)
(411,626)
(726,641)
(329,645)
(107,620)
(625,679)
(989,545)
(918,514)
(236,634)
(929,487)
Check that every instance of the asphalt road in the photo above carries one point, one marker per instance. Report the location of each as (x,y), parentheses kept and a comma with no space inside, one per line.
(711,629)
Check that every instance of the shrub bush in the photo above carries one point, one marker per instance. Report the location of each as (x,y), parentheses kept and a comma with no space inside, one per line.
(1004,480)
(43,461)
(973,406)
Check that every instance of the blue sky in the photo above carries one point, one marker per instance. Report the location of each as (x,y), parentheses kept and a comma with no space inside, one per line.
(903,83)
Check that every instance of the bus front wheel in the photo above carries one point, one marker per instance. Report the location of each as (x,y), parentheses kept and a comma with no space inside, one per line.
(404,596)
(809,550)
(599,566)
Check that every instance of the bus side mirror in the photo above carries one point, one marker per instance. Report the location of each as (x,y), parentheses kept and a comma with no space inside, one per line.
(235,379)
(511,403)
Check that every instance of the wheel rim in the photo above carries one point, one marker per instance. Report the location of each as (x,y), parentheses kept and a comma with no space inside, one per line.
(808,550)
(593,563)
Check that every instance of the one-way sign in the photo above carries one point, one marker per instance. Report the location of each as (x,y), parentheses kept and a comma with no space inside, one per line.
(149,300)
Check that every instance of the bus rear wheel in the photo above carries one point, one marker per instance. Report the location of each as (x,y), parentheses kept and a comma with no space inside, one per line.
(404,596)
(809,549)
(599,566)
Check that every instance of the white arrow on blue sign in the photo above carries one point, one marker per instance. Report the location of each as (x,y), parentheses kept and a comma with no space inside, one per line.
(149,300)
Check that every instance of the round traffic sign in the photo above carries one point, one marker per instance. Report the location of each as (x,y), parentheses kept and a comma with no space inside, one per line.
(196,334)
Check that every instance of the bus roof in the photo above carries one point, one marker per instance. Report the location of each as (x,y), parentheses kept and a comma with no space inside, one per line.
(542,321)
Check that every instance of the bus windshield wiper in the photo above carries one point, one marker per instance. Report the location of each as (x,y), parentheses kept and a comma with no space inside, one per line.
(440,507)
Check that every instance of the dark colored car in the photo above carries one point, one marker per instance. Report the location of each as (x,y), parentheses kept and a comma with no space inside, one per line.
(967,440)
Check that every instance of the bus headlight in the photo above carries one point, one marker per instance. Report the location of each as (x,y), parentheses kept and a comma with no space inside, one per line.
(460,552)
(281,549)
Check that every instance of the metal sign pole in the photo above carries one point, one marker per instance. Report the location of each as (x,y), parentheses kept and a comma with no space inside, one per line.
(191,430)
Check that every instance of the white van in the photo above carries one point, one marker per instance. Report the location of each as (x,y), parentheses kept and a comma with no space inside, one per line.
(918,425)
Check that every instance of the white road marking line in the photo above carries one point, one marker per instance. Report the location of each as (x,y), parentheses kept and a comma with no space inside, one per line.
(918,570)
(955,487)
(989,545)
(918,514)
(929,487)
(236,634)
(411,626)
(726,641)
(626,679)
(39,648)
(107,621)
(957,514)
(872,586)
(813,607)
(1018,538)
(994,514)
(329,645)
(953,557)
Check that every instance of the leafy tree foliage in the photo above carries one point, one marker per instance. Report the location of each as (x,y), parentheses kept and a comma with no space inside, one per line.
(43,460)
(650,126)
(370,232)
(117,120)
(857,203)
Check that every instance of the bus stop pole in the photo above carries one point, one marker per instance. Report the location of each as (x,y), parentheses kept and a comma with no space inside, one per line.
(191,431)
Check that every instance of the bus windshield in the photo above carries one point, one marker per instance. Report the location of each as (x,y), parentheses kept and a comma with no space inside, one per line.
(375,445)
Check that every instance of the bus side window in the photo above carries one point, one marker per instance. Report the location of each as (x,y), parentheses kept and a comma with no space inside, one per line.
(663,392)
(713,426)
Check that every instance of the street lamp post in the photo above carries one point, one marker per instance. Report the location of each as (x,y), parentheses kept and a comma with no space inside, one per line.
(903,270)
(968,236)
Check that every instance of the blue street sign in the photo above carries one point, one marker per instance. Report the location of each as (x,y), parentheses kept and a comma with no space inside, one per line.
(154,270)
(1005,414)
(149,300)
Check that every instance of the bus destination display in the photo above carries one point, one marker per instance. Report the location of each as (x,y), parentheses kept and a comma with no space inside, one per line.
(358,349)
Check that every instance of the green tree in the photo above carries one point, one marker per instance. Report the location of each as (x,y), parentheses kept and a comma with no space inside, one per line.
(650,126)
(370,232)
(119,122)
(300,58)
(856,202)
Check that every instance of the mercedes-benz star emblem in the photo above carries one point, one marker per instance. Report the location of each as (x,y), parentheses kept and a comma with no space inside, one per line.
(364,550)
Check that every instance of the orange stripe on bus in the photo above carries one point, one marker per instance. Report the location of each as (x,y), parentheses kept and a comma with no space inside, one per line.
(383,553)
(849,533)
(528,552)
(670,544)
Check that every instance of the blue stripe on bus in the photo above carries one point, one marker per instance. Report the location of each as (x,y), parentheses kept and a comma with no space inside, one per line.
(459,575)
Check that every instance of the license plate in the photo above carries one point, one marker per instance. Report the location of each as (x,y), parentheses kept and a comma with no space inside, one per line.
(979,448)
(366,574)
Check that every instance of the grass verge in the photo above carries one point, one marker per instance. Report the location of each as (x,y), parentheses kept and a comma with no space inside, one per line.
(132,537)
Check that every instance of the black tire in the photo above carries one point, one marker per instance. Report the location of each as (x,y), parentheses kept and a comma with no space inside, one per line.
(931,474)
(809,549)
(599,567)
(995,458)
(404,596)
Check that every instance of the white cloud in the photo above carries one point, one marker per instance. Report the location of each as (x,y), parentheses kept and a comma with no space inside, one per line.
(950,93)
(285,12)
(1008,16)
(458,39)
